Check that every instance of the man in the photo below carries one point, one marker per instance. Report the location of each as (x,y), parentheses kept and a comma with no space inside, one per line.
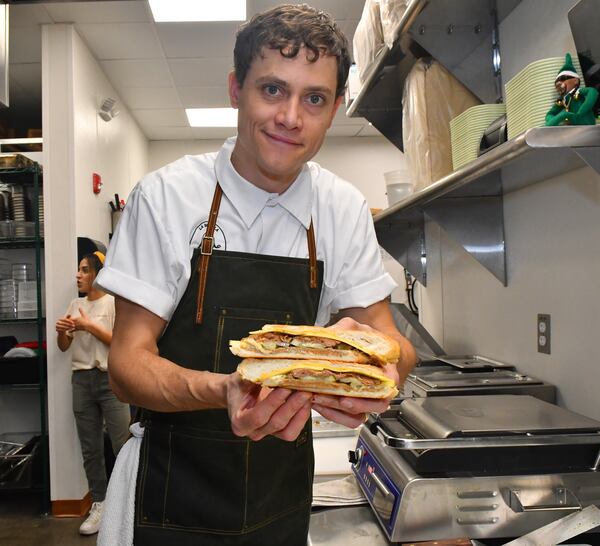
(211,247)
(576,104)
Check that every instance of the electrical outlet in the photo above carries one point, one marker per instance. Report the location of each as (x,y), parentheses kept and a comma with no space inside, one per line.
(543,334)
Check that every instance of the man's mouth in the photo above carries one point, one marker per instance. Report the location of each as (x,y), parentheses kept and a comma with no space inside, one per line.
(282,139)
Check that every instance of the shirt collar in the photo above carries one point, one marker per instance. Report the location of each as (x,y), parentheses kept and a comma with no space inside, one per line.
(249,200)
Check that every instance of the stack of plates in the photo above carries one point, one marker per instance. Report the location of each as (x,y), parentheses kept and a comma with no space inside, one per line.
(467,129)
(41,213)
(18,203)
(8,299)
(5,202)
(531,93)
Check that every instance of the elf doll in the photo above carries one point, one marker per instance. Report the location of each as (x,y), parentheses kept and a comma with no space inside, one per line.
(575,106)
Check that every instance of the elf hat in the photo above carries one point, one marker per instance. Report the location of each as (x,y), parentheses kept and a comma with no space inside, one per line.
(568,69)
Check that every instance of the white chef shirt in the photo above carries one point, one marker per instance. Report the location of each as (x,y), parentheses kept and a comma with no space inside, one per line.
(87,351)
(148,260)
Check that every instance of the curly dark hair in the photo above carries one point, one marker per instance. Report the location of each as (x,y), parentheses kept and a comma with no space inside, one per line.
(288,28)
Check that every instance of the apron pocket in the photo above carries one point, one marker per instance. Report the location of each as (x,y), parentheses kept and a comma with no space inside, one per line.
(200,486)
(236,323)
(280,476)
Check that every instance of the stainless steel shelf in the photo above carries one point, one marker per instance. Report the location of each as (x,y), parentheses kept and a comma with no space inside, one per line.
(24,242)
(468,202)
(457,33)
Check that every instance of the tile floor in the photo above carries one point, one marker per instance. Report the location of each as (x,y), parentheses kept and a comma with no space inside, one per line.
(23,524)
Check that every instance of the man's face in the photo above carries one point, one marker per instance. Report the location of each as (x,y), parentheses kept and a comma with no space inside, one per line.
(566,84)
(284,110)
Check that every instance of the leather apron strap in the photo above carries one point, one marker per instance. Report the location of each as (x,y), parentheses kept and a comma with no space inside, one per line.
(206,249)
(312,256)
(207,245)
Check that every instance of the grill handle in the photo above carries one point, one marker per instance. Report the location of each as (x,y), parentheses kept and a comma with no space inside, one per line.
(411,441)
(559,498)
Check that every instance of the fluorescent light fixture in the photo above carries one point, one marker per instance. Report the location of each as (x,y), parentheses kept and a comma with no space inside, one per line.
(212,117)
(165,11)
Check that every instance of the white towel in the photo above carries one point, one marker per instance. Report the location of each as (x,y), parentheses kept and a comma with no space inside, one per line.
(116,528)
(341,492)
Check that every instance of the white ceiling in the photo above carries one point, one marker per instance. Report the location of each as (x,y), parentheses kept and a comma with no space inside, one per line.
(158,69)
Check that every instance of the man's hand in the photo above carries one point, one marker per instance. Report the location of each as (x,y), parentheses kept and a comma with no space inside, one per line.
(350,411)
(257,411)
(348,323)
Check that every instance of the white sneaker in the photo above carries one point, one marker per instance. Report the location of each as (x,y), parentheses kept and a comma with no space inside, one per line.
(92,524)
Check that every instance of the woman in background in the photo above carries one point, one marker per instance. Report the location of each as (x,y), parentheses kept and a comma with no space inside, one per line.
(86,329)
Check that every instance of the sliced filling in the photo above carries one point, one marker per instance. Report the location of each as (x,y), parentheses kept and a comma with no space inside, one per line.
(271,341)
(354,380)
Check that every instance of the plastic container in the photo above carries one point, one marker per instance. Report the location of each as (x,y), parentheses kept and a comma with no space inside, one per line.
(27,310)
(398,185)
(28,291)
(6,229)
(22,272)
(22,228)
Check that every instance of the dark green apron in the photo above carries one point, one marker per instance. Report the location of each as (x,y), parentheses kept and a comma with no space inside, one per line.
(198,483)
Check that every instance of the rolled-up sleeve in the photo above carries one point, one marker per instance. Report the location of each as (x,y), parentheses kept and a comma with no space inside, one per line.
(140,263)
(362,280)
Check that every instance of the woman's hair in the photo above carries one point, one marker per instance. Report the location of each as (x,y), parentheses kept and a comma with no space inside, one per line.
(95,262)
(288,28)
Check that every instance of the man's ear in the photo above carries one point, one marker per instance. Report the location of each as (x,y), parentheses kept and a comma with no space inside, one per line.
(234,90)
(336,105)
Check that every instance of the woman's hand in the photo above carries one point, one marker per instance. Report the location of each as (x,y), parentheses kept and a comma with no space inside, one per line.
(65,325)
(82,322)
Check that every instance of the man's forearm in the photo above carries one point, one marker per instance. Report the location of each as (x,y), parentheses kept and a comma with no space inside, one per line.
(150,381)
(408,356)
(379,316)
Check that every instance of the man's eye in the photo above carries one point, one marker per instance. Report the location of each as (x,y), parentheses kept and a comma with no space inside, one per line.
(271,90)
(315,100)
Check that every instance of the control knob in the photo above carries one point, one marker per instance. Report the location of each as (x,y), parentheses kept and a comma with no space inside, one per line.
(355,456)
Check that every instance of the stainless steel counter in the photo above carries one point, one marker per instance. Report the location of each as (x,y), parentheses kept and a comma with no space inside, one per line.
(352,525)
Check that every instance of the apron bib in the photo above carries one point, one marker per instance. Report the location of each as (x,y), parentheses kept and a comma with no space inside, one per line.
(198,483)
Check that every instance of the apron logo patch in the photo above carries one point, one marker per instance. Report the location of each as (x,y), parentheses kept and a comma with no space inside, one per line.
(220,239)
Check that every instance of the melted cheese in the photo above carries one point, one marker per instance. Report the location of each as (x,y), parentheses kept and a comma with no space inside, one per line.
(311,365)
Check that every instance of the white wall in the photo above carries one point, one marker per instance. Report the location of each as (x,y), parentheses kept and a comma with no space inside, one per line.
(75,145)
(162,152)
(117,150)
(552,231)
(362,161)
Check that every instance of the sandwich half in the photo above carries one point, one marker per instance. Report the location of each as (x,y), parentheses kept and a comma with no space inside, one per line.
(310,342)
(319,376)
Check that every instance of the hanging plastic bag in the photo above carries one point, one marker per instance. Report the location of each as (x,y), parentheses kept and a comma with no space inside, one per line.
(391,13)
(368,38)
(432,97)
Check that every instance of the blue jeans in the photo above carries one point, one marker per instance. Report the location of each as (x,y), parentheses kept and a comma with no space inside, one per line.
(93,405)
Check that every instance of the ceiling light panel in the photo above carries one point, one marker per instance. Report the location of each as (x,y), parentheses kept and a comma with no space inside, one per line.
(212,117)
(172,11)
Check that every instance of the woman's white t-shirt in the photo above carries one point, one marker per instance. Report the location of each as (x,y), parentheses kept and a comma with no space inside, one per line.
(87,351)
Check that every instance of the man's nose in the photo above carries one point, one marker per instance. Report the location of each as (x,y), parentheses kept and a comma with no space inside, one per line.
(290,114)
